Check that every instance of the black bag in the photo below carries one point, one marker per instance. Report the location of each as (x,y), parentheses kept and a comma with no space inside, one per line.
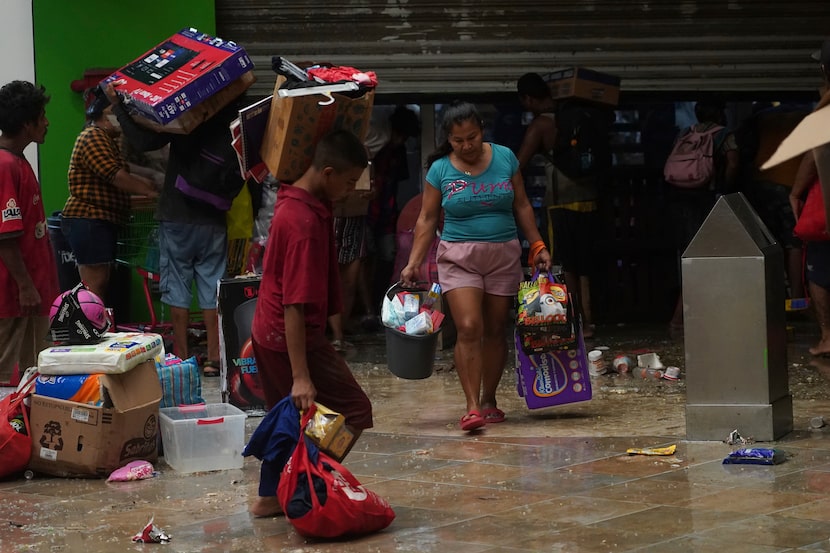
(582,148)
(208,169)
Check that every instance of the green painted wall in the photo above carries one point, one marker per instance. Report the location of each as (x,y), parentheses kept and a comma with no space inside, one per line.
(73,36)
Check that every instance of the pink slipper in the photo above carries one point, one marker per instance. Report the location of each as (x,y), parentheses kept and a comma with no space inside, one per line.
(471,421)
(493,415)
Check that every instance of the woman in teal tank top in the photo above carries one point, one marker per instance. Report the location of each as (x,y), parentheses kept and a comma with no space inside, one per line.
(480,190)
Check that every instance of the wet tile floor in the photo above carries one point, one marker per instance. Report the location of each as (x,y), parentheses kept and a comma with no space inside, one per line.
(553,480)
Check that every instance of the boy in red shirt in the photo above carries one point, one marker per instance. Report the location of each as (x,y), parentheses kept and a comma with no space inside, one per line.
(300,288)
(28,274)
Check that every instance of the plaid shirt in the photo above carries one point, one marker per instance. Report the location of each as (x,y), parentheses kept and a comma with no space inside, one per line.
(96,158)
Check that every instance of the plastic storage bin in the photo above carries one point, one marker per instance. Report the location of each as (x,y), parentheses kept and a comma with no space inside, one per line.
(203,437)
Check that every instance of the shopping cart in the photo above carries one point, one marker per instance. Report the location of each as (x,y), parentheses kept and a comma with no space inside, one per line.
(138,249)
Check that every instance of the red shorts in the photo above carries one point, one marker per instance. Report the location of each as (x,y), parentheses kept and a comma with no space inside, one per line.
(336,387)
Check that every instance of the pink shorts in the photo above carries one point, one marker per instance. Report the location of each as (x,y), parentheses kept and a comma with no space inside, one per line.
(494,267)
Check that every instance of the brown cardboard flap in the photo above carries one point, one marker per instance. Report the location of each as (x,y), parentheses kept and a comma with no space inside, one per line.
(137,387)
(813,131)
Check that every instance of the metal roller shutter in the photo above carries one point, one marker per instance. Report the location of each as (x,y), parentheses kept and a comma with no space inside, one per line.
(429,47)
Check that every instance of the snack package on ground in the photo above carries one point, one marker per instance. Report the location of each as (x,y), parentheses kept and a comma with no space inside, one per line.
(668,450)
(134,470)
(151,534)
(755,456)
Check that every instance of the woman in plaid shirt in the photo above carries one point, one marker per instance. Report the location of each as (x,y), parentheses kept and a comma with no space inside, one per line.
(100,185)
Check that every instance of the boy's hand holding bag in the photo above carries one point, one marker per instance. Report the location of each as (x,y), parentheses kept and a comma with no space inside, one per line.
(322,499)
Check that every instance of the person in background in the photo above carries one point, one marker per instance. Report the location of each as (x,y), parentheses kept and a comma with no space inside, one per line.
(817,254)
(481,191)
(390,167)
(28,273)
(570,201)
(299,291)
(352,241)
(193,240)
(768,190)
(688,207)
(100,185)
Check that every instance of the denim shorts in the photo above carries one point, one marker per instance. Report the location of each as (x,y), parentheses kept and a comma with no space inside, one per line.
(187,254)
(91,240)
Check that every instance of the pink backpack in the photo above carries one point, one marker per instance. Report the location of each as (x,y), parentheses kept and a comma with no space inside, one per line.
(691,162)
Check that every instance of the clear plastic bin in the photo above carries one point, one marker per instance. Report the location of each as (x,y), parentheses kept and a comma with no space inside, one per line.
(203,437)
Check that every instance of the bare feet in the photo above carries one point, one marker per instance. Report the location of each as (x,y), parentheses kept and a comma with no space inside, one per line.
(266,507)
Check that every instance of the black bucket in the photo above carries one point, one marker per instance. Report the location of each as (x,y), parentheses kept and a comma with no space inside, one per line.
(68,275)
(410,356)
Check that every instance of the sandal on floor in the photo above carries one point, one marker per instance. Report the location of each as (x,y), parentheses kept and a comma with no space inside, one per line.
(210,369)
(471,421)
(341,346)
(493,415)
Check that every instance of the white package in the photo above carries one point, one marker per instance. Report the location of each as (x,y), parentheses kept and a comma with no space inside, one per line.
(117,353)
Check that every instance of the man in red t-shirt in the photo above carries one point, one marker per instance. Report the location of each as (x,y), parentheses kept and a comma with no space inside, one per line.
(300,288)
(28,274)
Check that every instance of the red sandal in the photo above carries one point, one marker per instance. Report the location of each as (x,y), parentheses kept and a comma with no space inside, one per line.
(472,420)
(493,415)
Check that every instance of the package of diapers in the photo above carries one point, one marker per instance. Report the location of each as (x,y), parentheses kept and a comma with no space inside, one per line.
(116,353)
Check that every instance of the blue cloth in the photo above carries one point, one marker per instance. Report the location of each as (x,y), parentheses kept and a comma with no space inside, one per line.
(274,441)
(477,208)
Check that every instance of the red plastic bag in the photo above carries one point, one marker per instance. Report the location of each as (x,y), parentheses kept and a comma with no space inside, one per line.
(811,225)
(322,499)
(15,433)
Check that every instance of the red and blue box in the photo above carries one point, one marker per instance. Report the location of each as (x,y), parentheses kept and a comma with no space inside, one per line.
(179,74)
(553,378)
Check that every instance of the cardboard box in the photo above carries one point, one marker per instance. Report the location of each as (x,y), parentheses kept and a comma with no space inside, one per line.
(74,439)
(178,74)
(297,123)
(579,82)
(240,384)
(328,430)
(198,114)
(554,378)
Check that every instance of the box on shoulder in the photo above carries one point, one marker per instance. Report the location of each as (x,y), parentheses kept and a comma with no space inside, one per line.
(72,439)
(198,114)
(240,383)
(178,74)
(297,123)
(584,84)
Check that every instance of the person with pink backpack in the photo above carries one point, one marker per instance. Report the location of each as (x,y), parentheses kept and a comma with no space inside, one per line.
(703,164)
